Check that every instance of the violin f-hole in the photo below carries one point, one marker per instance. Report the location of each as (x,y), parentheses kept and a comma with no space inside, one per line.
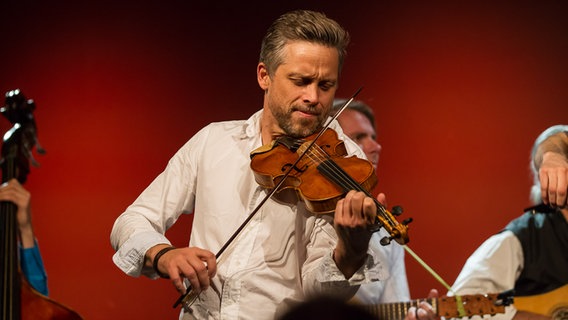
(288,165)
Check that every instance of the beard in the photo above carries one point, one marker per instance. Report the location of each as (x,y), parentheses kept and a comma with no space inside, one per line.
(298,128)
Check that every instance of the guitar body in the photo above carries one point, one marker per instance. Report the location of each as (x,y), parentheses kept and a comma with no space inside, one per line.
(553,304)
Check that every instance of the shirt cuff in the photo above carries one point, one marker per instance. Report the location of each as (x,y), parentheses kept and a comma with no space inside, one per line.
(130,256)
(332,276)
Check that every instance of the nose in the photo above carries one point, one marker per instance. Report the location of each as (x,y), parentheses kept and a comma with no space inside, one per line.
(372,146)
(372,149)
(311,94)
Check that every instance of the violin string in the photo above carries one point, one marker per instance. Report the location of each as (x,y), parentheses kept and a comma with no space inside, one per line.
(347,182)
(319,156)
(328,165)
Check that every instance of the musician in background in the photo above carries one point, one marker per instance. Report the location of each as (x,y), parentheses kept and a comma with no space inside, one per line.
(531,253)
(358,122)
(31,262)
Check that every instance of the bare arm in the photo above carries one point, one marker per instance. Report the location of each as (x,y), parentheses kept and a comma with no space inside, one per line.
(14,192)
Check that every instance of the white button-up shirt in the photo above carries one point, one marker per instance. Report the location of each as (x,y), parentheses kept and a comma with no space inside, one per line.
(282,257)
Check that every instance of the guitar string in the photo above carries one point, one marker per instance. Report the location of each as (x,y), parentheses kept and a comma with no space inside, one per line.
(319,156)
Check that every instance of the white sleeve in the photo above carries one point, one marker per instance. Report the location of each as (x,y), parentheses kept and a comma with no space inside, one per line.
(144,222)
(492,268)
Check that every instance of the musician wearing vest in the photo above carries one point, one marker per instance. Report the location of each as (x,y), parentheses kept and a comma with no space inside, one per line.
(31,262)
(530,255)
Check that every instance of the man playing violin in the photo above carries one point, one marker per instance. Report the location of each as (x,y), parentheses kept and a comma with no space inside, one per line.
(285,254)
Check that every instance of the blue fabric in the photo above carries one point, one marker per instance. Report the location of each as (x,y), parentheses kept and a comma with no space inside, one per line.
(33,269)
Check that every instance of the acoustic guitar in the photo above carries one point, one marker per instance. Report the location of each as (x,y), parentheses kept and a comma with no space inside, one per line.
(553,304)
(448,307)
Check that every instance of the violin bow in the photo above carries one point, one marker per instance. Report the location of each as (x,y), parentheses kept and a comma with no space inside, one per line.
(187,297)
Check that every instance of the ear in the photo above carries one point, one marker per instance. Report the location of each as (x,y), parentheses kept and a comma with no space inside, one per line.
(262,76)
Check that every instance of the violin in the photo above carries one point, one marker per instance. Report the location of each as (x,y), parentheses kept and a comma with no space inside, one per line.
(322,177)
(18,299)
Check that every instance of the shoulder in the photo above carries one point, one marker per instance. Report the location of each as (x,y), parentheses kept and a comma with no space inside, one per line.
(240,129)
(539,217)
(216,132)
(502,242)
(223,127)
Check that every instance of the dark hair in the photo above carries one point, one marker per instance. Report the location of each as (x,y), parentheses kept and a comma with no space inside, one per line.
(327,308)
(357,106)
(301,25)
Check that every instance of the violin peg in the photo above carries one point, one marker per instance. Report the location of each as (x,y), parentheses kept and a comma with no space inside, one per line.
(406,221)
(385,241)
(397,210)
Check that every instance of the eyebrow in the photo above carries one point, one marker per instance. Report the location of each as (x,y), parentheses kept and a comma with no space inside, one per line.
(305,76)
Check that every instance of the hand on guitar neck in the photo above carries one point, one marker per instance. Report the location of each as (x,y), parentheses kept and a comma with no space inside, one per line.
(424,311)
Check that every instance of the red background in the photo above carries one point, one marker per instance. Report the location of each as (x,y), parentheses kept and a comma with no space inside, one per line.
(460,91)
